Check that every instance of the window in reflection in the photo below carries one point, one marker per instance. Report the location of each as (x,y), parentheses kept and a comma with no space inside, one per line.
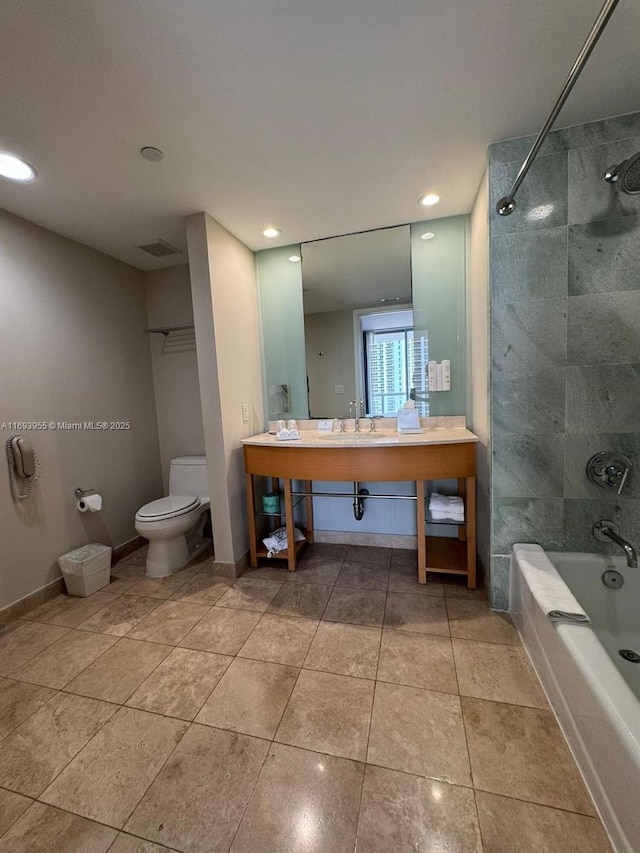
(394,362)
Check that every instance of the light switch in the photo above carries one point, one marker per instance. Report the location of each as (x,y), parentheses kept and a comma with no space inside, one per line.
(339,389)
(245,412)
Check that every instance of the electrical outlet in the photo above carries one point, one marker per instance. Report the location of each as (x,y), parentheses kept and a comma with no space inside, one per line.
(339,389)
(245,412)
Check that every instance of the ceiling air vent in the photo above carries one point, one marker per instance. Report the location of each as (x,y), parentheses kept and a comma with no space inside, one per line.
(160,249)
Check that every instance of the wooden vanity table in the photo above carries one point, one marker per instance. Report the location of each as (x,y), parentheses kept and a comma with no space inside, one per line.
(435,454)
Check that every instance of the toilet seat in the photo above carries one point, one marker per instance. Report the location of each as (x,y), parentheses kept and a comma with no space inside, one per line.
(169,507)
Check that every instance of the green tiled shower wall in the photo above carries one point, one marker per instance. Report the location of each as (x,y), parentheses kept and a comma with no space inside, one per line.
(565,342)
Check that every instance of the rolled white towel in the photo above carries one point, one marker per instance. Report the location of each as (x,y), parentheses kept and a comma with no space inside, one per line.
(288,434)
(547,587)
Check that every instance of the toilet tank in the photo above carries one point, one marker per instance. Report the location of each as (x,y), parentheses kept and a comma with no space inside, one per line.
(188,477)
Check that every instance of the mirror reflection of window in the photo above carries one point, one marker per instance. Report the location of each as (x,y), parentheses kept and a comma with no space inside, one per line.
(342,277)
(394,367)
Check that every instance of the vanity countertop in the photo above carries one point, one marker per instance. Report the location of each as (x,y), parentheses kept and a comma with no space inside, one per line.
(382,437)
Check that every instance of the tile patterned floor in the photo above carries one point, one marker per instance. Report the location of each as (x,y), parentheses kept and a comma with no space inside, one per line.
(340,708)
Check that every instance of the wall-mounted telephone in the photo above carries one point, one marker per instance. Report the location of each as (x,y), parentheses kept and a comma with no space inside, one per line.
(23,466)
(23,457)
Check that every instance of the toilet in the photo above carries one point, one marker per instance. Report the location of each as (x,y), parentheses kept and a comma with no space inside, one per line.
(174,525)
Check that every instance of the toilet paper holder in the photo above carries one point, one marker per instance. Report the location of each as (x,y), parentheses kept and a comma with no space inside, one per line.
(80,493)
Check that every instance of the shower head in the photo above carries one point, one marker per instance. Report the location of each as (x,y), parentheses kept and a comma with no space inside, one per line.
(626,175)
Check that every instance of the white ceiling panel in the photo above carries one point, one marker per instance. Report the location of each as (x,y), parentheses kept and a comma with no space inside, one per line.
(319,117)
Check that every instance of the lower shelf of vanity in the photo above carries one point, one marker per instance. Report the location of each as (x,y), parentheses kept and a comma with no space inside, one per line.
(262,551)
(446,555)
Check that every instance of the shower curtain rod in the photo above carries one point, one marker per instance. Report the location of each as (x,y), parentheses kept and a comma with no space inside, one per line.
(507,204)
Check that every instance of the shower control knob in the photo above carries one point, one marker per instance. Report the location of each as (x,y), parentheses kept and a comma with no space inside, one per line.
(609,469)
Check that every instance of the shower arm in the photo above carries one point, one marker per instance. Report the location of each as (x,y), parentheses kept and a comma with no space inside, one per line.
(507,204)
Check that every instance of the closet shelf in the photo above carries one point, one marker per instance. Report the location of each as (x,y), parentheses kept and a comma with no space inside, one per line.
(166,330)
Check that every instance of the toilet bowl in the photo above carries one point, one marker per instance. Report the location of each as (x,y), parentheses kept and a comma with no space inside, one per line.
(174,525)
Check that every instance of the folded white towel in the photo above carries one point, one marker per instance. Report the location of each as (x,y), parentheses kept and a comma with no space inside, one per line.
(436,499)
(547,587)
(445,507)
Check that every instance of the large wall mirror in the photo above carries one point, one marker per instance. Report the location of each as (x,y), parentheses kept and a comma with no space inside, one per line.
(357,317)
(358,322)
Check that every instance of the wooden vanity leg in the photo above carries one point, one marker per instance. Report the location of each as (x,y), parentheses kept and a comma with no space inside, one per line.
(422,532)
(288,510)
(462,491)
(251,512)
(308,508)
(471,532)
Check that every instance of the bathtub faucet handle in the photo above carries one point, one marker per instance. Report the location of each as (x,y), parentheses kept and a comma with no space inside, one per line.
(621,476)
(609,469)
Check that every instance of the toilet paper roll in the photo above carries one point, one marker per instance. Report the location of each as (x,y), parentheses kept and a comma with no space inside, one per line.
(90,503)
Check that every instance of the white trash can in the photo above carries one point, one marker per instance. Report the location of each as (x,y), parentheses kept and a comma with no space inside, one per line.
(87,569)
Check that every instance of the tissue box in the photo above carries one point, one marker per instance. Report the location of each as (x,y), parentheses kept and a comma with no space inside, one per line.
(408,420)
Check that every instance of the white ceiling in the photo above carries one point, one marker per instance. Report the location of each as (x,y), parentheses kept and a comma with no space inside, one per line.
(320,116)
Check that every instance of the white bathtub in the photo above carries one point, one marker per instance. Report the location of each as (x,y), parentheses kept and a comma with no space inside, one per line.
(594,692)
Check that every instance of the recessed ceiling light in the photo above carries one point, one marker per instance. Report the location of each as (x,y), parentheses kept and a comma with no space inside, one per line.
(295,259)
(428,235)
(271,232)
(429,199)
(153,155)
(15,169)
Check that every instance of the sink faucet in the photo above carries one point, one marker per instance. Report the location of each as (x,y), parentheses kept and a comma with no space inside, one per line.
(353,408)
(605,529)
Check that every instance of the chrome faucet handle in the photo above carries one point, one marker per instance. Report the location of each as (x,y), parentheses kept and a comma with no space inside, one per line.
(618,476)
(609,469)
(372,425)
(342,426)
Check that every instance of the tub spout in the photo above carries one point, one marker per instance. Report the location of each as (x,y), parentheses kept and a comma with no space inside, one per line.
(603,529)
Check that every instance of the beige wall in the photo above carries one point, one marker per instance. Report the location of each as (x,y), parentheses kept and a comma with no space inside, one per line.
(175,366)
(330,332)
(478,325)
(227,320)
(71,349)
